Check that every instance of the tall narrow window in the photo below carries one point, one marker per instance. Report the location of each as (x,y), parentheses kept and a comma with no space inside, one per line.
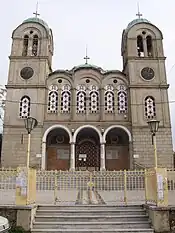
(25,45)
(24,107)
(53,99)
(35,45)
(149,46)
(150,107)
(94,99)
(81,99)
(140,49)
(122,99)
(109,99)
(65,99)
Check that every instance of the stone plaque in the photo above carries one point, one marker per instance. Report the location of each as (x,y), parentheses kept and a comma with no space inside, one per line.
(112,154)
(63,153)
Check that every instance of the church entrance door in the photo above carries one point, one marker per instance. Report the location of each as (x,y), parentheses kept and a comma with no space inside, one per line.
(87,150)
(117,150)
(58,150)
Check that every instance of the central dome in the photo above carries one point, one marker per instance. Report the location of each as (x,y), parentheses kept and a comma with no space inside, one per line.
(37,20)
(136,21)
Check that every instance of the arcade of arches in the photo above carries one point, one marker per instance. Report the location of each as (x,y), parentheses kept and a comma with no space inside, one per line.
(87,149)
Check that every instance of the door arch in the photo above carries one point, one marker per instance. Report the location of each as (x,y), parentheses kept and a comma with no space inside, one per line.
(117,149)
(58,131)
(87,150)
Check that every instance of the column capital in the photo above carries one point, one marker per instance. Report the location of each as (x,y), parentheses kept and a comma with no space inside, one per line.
(72,143)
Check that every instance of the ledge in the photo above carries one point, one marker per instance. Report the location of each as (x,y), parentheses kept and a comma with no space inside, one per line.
(14,207)
(156,208)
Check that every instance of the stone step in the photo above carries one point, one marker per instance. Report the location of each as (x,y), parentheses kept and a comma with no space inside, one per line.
(93,230)
(89,212)
(94,207)
(91,218)
(91,225)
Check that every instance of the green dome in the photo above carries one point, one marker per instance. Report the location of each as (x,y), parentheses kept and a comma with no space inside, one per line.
(86,66)
(37,20)
(136,21)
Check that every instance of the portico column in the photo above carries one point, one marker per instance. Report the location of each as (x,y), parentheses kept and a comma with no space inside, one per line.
(132,164)
(102,157)
(43,158)
(72,156)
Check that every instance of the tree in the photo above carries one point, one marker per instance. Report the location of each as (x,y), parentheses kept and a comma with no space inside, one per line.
(3,92)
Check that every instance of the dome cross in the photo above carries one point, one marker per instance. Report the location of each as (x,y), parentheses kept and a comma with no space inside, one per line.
(36,13)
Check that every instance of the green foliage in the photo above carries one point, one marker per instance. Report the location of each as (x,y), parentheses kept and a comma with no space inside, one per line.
(18,230)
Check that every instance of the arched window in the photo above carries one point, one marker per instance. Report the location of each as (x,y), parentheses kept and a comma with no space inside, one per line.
(81,99)
(53,99)
(94,99)
(35,45)
(150,107)
(122,99)
(149,46)
(109,99)
(25,45)
(140,48)
(24,107)
(65,99)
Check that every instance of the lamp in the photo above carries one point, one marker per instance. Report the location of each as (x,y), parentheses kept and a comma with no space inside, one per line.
(154,126)
(30,124)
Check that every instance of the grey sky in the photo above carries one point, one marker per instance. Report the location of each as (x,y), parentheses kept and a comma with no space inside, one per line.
(98,23)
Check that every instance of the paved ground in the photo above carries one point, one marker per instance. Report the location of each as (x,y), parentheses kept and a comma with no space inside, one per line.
(71,197)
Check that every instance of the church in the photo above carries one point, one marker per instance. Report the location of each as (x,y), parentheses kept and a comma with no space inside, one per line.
(88,118)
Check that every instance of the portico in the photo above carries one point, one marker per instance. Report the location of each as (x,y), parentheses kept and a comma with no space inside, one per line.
(86,148)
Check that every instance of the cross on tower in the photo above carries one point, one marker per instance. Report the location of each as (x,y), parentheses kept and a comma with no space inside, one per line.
(36,13)
(86,57)
(138,14)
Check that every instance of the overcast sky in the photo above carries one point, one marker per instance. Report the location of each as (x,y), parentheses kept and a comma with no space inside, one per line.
(97,23)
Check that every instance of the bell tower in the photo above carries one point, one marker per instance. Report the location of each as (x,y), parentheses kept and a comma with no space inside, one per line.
(30,64)
(144,65)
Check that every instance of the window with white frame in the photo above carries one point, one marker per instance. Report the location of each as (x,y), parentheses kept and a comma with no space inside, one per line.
(109,99)
(94,99)
(65,99)
(81,99)
(122,99)
(52,99)
(24,107)
(150,107)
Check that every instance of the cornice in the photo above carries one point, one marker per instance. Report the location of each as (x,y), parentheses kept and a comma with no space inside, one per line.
(29,57)
(152,86)
(26,86)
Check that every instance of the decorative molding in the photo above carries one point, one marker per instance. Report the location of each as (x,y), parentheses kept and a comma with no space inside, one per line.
(150,86)
(25,86)
(29,57)
(136,58)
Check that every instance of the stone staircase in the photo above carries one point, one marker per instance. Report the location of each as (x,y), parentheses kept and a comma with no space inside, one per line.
(91,218)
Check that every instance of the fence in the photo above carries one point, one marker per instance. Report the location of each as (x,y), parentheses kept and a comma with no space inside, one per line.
(7,186)
(84,187)
(75,187)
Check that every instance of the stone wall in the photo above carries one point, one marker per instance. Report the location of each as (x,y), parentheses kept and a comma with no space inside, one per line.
(14,147)
(172,219)
(142,146)
(162,218)
(19,216)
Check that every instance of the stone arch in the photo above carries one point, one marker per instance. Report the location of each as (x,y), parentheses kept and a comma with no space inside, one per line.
(54,127)
(117,126)
(44,139)
(87,126)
